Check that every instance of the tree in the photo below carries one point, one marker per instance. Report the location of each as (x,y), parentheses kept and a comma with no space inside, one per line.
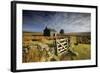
(61,31)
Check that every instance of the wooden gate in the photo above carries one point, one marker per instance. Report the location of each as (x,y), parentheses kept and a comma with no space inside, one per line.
(62,45)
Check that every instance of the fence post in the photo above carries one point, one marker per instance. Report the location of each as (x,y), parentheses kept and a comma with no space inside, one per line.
(55,47)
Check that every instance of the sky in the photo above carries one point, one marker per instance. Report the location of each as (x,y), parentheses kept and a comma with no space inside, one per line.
(36,21)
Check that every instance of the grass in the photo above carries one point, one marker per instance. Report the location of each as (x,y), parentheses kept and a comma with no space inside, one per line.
(83,50)
(41,48)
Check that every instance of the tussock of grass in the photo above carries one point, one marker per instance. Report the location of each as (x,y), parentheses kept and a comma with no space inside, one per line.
(83,50)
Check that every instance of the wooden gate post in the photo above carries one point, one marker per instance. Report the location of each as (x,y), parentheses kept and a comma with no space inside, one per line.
(55,47)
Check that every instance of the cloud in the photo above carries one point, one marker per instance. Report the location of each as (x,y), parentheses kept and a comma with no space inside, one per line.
(69,21)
